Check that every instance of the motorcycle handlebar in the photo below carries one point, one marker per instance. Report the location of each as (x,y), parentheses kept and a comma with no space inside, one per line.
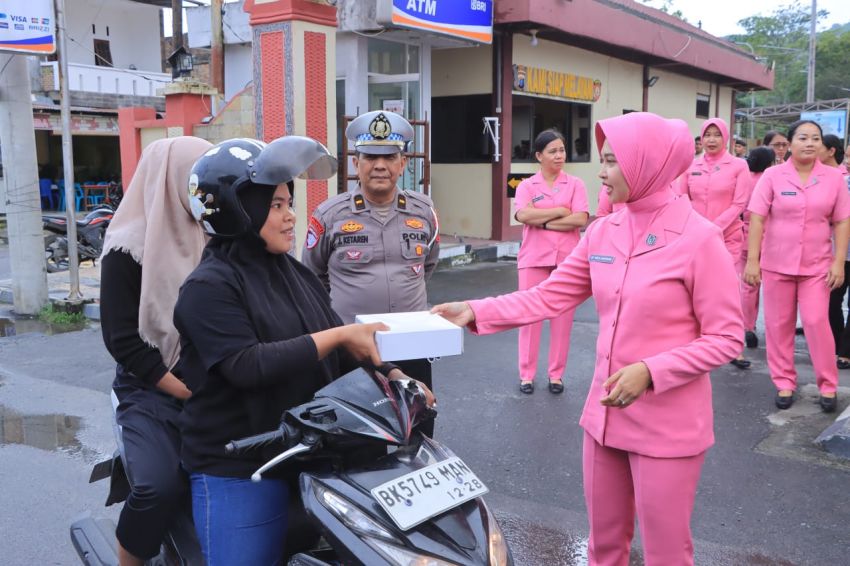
(243,444)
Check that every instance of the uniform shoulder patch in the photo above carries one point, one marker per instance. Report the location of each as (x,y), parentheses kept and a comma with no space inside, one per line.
(314,232)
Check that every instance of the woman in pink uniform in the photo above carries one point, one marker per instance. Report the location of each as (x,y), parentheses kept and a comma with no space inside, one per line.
(719,186)
(669,312)
(758,160)
(553,208)
(795,207)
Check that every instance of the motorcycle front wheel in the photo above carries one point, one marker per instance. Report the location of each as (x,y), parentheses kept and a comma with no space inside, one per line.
(55,259)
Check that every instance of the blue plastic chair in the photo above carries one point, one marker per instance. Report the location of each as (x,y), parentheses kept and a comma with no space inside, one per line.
(46,193)
(78,194)
(95,200)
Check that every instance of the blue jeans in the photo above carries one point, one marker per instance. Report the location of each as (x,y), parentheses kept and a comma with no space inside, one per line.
(239,521)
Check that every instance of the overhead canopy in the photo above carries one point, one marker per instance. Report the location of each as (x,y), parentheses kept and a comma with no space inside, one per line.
(629,30)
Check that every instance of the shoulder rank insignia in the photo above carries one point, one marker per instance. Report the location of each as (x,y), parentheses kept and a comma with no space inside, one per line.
(359,202)
(402,201)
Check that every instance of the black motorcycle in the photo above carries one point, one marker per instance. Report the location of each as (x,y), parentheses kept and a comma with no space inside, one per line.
(419,504)
(90,232)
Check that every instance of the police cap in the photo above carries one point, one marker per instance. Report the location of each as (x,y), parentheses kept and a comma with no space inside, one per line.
(379,132)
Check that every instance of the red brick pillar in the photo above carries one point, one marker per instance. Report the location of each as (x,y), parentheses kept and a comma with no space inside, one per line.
(294,80)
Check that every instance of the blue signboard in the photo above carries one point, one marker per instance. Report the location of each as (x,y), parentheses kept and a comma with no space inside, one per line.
(464,19)
(831,121)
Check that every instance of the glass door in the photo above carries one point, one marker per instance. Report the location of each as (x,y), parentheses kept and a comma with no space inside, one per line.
(394,85)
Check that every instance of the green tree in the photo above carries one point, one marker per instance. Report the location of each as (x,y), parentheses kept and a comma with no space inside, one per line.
(782,41)
(832,64)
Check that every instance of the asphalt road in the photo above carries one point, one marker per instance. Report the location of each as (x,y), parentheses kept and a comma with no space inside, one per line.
(767,496)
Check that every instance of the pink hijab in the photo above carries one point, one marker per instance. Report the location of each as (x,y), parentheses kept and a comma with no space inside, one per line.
(652,151)
(724,133)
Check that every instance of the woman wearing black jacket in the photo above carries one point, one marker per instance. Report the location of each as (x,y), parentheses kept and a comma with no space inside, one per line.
(152,244)
(260,337)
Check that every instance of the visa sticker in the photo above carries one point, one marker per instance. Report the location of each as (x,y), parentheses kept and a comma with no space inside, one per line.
(602,258)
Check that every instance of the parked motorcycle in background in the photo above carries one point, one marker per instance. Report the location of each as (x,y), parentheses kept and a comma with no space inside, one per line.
(418,505)
(90,232)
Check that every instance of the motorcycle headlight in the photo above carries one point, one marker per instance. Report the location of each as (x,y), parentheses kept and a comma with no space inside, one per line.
(403,557)
(498,547)
(349,514)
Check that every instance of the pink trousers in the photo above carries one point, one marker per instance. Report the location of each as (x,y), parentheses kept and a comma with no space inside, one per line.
(749,296)
(529,335)
(782,295)
(661,491)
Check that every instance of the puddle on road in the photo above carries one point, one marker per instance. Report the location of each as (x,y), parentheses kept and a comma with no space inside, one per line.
(18,326)
(54,433)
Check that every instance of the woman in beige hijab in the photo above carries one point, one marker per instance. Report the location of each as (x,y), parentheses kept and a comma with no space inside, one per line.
(152,244)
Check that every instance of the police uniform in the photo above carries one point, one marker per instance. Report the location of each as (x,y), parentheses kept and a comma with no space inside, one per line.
(369,262)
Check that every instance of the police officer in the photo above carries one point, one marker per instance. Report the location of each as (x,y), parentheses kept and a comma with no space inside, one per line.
(375,247)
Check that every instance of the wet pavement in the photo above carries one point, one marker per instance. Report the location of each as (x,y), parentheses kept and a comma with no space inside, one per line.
(768,495)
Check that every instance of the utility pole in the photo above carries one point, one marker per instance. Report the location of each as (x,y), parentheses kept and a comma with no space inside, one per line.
(23,210)
(216,47)
(74,294)
(810,83)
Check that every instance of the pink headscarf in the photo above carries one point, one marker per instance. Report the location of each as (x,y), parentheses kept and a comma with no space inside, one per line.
(724,133)
(721,125)
(651,151)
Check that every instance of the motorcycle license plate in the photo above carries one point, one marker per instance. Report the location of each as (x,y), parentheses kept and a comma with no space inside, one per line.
(416,497)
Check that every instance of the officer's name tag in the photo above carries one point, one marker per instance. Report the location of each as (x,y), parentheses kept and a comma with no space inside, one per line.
(537,198)
(696,173)
(789,193)
(602,258)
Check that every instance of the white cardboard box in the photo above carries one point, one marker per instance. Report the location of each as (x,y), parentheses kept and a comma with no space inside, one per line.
(415,335)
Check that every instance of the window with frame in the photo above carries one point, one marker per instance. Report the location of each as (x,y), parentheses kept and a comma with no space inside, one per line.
(457,129)
(703,105)
(102,53)
(532,115)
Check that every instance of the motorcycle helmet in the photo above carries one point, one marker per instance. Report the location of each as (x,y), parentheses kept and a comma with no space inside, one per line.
(228,167)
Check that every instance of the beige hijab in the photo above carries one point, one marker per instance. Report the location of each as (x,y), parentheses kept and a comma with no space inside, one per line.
(154,224)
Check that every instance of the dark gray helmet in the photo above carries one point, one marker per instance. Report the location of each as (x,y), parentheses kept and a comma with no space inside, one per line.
(228,167)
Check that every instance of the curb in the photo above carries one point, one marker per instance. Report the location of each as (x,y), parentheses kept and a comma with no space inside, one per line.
(836,438)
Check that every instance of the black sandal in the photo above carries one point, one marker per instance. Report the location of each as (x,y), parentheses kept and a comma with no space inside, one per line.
(842,364)
(556,387)
(526,387)
(741,364)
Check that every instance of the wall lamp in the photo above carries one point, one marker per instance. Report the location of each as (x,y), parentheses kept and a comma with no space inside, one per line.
(650,82)
(534,41)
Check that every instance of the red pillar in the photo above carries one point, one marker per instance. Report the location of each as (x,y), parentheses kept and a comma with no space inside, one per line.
(130,139)
(294,40)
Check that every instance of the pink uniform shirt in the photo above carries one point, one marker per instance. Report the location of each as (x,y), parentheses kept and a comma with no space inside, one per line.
(719,190)
(672,302)
(797,239)
(543,248)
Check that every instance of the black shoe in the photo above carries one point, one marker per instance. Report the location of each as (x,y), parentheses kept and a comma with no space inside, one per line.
(828,404)
(751,339)
(556,387)
(526,387)
(842,364)
(784,402)
(741,364)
